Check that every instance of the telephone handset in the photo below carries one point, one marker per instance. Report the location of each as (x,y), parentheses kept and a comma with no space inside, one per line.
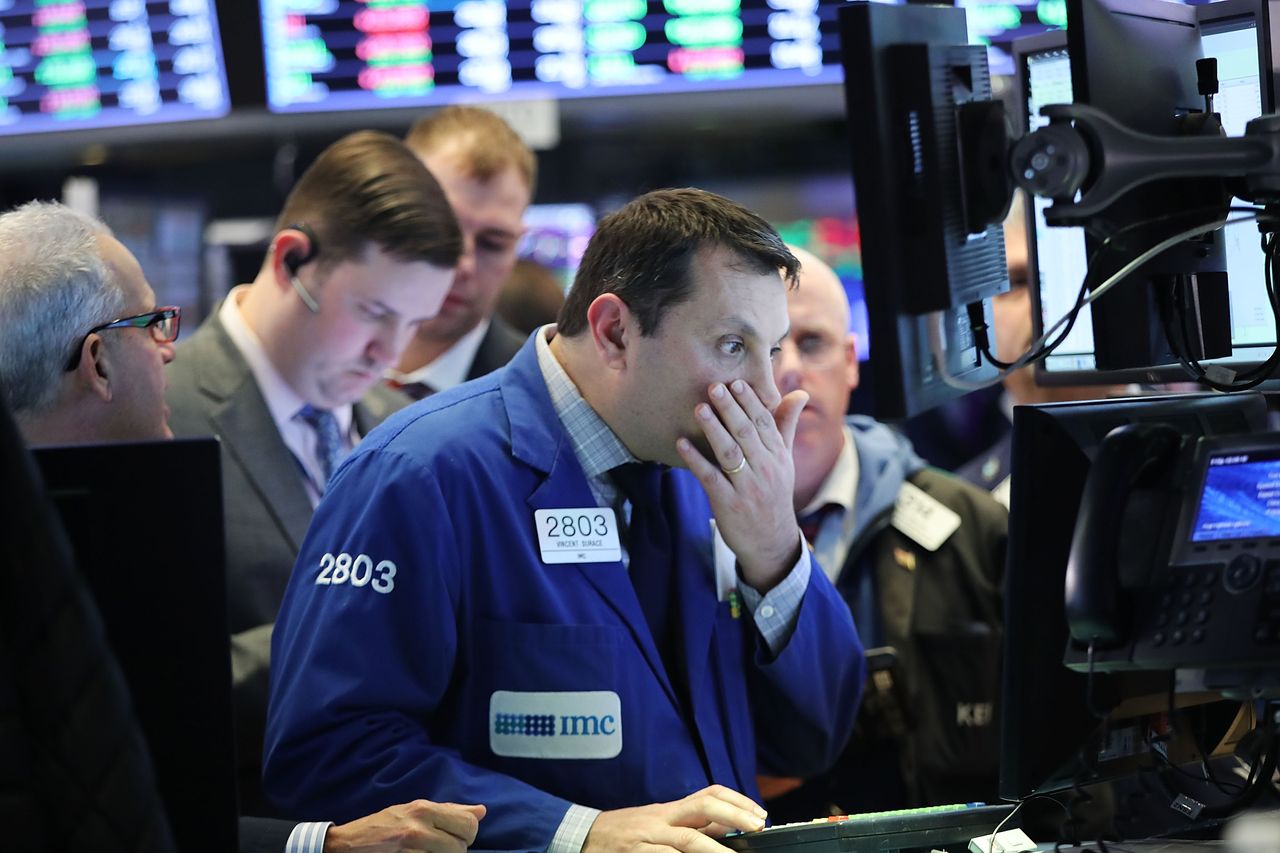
(1099,611)
(1175,558)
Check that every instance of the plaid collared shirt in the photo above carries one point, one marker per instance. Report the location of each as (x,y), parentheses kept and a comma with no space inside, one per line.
(597,448)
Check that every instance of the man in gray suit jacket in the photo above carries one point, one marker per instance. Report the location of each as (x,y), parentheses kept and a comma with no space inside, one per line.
(213,390)
(286,372)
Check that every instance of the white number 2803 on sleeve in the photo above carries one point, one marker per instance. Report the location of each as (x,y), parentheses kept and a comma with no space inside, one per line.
(358,571)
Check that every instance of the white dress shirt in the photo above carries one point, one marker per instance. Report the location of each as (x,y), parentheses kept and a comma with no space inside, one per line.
(835,532)
(450,368)
(282,401)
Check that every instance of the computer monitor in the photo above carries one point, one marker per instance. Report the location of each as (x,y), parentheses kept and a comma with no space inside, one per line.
(68,717)
(1135,60)
(349,55)
(68,65)
(1050,737)
(145,524)
(1229,32)
(907,68)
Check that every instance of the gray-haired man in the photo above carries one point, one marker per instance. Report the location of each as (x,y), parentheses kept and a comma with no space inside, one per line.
(82,353)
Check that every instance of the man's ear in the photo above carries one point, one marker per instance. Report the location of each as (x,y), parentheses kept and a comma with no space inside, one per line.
(851,361)
(612,327)
(96,370)
(290,248)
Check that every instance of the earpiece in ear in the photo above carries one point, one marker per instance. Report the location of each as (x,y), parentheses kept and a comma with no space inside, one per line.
(293,261)
(307,299)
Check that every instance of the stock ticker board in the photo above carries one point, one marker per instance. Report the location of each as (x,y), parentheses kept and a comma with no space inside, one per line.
(359,54)
(77,64)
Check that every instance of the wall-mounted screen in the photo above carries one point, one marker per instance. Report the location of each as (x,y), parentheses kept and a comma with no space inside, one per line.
(362,54)
(81,64)
(556,235)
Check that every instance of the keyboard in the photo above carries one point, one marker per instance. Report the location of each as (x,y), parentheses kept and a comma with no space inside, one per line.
(944,827)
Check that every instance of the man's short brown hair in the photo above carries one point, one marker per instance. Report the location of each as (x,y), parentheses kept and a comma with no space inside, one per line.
(643,253)
(368,188)
(485,143)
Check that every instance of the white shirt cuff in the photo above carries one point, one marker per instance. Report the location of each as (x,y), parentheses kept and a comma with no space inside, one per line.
(307,838)
(572,833)
(775,614)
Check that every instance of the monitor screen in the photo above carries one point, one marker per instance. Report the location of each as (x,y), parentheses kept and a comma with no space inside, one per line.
(1058,255)
(72,65)
(166,235)
(345,54)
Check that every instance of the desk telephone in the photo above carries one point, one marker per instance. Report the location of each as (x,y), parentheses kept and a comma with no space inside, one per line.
(1175,559)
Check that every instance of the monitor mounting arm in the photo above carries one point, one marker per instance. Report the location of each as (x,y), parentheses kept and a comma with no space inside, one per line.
(1083,150)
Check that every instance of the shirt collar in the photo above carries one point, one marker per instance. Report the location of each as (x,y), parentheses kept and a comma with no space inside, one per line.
(841,483)
(450,368)
(596,446)
(282,401)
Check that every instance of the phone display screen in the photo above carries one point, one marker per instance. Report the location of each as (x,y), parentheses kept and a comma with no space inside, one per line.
(1240,497)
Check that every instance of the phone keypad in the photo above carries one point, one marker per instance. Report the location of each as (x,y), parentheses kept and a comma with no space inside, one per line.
(1184,614)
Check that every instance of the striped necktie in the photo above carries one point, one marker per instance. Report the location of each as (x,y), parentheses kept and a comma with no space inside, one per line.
(330,448)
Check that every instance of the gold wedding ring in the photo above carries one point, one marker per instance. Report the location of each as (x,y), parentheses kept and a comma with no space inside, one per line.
(742,463)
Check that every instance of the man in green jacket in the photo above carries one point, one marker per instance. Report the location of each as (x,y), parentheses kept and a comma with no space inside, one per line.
(919,557)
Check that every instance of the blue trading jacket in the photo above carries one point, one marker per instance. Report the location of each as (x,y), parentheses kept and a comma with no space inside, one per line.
(423,648)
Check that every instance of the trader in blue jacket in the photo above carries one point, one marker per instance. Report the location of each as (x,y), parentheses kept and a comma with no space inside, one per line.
(497,602)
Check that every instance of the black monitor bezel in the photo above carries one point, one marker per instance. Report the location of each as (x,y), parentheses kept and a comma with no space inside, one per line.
(903,383)
(151,551)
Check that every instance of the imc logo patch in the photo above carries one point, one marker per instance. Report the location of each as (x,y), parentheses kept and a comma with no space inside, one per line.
(581,724)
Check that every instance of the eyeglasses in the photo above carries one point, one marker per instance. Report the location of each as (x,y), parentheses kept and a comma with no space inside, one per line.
(816,351)
(163,323)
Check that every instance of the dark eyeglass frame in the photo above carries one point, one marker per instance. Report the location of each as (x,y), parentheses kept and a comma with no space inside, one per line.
(152,320)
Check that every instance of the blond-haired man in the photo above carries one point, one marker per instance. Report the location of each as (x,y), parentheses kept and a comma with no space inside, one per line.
(488,174)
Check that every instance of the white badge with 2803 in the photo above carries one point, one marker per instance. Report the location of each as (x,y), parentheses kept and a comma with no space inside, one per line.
(578,535)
